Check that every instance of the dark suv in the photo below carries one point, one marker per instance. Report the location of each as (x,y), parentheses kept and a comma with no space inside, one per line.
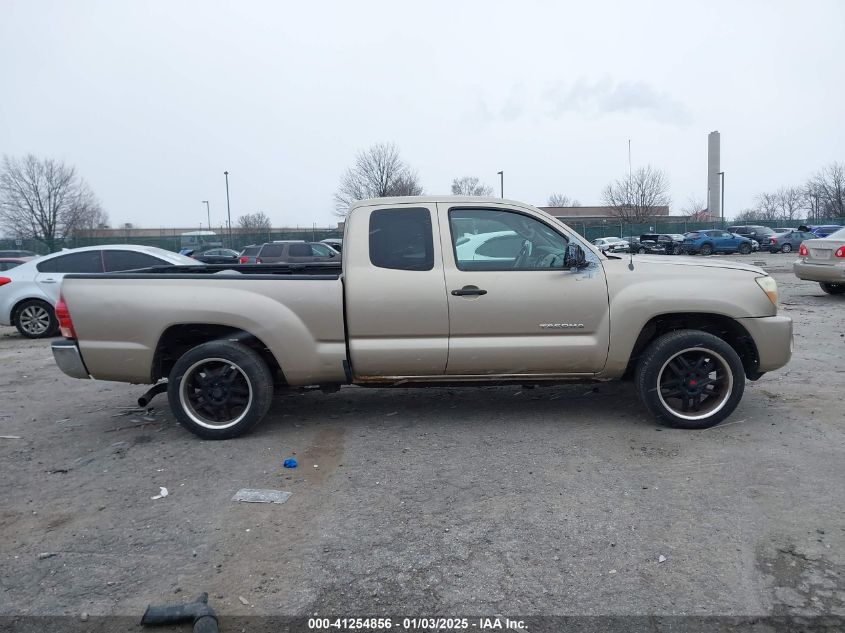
(671,242)
(753,232)
(293,252)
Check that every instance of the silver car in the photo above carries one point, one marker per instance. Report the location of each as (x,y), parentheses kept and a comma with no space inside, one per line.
(611,245)
(823,260)
(787,241)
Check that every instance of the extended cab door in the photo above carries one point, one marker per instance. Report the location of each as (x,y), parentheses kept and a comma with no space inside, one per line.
(396,313)
(519,312)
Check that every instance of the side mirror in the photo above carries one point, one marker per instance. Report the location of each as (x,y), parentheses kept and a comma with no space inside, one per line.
(575,257)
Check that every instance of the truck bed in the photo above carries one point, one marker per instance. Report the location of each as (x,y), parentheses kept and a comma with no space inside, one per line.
(123,320)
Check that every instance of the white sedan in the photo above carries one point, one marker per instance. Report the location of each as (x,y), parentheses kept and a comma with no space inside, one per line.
(29,292)
(611,244)
(494,246)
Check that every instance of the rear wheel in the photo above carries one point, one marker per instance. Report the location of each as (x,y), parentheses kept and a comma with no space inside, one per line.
(36,319)
(786,248)
(833,289)
(690,379)
(220,390)
(641,250)
(744,249)
(706,249)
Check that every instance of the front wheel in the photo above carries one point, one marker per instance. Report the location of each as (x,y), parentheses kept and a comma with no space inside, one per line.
(744,249)
(36,319)
(690,379)
(641,251)
(220,390)
(833,289)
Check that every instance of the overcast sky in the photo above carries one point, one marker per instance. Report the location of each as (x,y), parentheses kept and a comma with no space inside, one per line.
(152,101)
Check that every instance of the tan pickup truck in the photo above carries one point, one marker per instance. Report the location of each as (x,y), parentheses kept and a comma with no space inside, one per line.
(430,290)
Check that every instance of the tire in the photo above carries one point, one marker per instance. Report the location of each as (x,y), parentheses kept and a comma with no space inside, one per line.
(706,249)
(641,251)
(676,358)
(744,249)
(786,248)
(833,289)
(239,395)
(36,319)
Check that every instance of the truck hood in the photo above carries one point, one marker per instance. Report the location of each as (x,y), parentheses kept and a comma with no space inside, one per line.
(697,262)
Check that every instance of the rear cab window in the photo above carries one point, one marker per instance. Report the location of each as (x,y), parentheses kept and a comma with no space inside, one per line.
(401,239)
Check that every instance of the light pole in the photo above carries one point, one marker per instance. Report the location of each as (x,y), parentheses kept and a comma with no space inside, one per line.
(722,206)
(208,211)
(501,183)
(228,209)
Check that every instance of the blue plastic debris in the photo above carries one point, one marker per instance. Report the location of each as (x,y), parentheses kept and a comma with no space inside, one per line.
(290,462)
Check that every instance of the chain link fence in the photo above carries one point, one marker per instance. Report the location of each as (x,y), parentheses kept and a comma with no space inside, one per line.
(172,240)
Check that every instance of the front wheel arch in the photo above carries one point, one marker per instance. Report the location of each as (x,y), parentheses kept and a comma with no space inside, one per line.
(724,327)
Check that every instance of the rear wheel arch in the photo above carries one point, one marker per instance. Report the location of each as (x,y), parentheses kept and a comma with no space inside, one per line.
(179,339)
(724,327)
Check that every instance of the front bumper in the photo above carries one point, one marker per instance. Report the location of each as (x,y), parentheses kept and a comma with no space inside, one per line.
(69,360)
(773,339)
(830,273)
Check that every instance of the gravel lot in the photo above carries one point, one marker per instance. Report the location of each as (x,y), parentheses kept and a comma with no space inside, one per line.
(498,500)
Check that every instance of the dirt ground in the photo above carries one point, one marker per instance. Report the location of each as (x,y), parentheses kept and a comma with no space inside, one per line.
(496,500)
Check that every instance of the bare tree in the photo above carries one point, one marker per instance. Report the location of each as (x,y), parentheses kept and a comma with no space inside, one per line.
(378,172)
(827,186)
(255,222)
(470,186)
(791,202)
(767,206)
(561,200)
(45,200)
(636,197)
(693,207)
(748,215)
(91,220)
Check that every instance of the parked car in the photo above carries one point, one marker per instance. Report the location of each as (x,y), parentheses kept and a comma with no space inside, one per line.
(29,292)
(7,263)
(215,256)
(649,247)
(287,251)
(18,254)
(711,241)
(612,244)
(752,231)
(788,241)
(495,246)
(334,242)
(825,230)
(823,260)
(406,309)
(671,242)
(784,229)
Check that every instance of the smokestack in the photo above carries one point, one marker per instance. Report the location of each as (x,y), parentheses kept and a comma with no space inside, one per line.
(714,193)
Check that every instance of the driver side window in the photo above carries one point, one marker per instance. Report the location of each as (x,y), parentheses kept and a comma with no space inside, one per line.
(492,239)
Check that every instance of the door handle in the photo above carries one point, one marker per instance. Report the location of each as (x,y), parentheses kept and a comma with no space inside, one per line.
(469,291)
(48,281)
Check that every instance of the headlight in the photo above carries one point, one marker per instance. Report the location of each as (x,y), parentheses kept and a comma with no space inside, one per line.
(770,287)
